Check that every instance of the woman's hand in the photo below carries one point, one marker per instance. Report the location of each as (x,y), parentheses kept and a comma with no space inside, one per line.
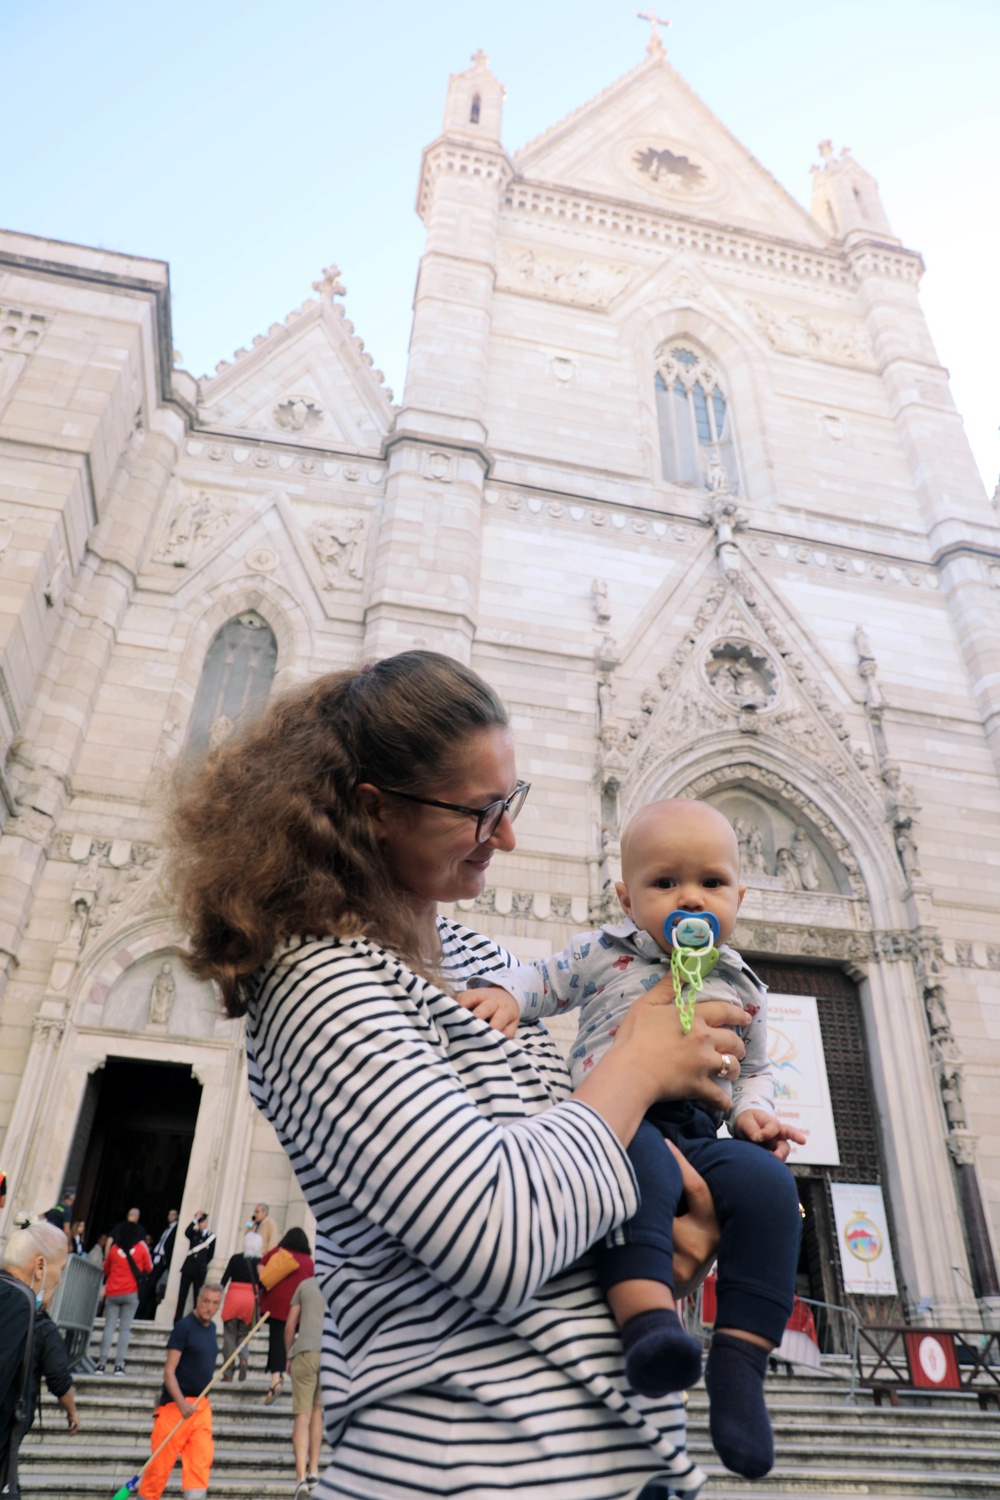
(696,1232)
(492,1004)
(652,1059)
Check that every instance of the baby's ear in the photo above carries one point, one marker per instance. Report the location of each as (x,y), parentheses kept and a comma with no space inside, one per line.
(624,897)
(742,893)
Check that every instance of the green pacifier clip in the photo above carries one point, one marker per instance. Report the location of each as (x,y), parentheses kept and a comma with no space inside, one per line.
(693,956)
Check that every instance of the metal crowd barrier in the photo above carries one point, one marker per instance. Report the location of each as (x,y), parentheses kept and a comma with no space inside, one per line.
(74,1308)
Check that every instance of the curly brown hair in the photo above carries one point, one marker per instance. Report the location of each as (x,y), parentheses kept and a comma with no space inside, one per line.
(266,838)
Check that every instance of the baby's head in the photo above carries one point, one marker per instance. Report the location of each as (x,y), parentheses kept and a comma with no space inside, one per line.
(680,855)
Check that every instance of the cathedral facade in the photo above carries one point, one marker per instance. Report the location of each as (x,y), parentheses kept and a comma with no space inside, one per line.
(676,468)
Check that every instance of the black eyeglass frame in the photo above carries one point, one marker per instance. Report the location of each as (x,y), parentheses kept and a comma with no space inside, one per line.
(480,813)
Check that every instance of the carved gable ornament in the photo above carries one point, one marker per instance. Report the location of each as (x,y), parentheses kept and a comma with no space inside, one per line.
(742,674)
(669,167)
(736,671)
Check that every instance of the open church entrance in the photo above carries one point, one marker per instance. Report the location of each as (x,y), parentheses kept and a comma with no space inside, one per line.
(851,1095)
(133,1143)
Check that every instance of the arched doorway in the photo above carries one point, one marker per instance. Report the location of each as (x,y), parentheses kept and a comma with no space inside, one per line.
(132,1143)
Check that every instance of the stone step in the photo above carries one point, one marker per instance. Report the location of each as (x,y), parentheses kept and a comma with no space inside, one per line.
(827,1446)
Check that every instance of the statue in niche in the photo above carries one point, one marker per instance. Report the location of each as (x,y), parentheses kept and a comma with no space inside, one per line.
(161,996)
(740,675)
(602,609)
(805,860)
(755,852)
(909,855)
(220,731)
(79,918)
(742,833)
(358,548)
(934,1005)
(787,870)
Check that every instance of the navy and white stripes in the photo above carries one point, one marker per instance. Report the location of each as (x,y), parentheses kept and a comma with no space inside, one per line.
(455,1187)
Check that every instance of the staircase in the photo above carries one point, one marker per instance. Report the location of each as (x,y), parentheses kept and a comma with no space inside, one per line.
(826,1447)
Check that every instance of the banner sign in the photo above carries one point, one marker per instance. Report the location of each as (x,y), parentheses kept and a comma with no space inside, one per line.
(863,1239)
(802,1094)
(932,1360)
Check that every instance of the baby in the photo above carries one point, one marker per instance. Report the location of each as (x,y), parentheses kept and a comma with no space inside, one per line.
(681,858)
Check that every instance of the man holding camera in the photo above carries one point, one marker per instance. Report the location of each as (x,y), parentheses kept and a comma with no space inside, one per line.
(201,1242)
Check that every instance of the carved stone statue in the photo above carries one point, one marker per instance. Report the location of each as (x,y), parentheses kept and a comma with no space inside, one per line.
(755,852)
(358,548)
(602,609)
(161,996)
(79,918)
(909,855)
(805,860)
(220,731)
(787,870)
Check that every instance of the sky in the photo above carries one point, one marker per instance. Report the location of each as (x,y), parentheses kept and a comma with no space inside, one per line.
(251,144)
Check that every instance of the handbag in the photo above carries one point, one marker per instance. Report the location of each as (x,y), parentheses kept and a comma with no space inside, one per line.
(141,1277)
(281,1264)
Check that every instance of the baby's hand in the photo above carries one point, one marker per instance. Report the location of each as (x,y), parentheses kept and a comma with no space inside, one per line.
(766,1130)
(494,1005)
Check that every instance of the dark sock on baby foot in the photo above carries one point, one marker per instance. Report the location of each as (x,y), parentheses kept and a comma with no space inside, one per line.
(659,1356)
(738,1419)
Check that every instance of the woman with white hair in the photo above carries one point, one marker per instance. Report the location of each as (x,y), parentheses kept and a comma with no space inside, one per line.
(30,1346)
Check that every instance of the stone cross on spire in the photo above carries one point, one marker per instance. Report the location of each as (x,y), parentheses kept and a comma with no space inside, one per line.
(654,46)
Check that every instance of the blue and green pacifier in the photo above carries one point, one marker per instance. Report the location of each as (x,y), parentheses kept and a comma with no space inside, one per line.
(693,937)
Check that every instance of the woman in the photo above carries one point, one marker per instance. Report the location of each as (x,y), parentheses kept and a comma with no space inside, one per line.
(77,1237)
(126,1264)
(275,1300)
(455,1181)
(31,1267)
(239,1310)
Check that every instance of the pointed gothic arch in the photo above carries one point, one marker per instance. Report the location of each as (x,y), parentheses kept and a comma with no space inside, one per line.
(694,418)
(679,310)
(236,678)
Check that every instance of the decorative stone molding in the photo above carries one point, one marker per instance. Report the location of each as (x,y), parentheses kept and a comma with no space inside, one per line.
(199,520)
(48,1028)
(657,229)
(340,545)
(459,161)
(21,329)
(592,513)
(791,333)
(298,414)
(560,278)
(856,565)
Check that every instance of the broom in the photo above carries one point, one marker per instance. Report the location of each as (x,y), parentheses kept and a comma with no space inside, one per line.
(133,1484)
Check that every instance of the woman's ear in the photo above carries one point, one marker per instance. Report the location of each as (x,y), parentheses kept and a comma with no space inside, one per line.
(371,801)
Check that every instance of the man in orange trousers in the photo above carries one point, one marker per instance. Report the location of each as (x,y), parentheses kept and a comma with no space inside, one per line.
(192,1350)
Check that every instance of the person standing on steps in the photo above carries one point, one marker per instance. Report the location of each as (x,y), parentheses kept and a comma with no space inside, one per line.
(192,1351)
(279,1273)
(126,1267)
(163,1252)
(239,1311)
(34,1258)
(303,1342)
(201,1241)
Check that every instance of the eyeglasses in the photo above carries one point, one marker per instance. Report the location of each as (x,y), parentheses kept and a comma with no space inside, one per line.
(487,818)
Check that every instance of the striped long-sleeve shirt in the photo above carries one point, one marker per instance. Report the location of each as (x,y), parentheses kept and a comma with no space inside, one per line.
(467,1350)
